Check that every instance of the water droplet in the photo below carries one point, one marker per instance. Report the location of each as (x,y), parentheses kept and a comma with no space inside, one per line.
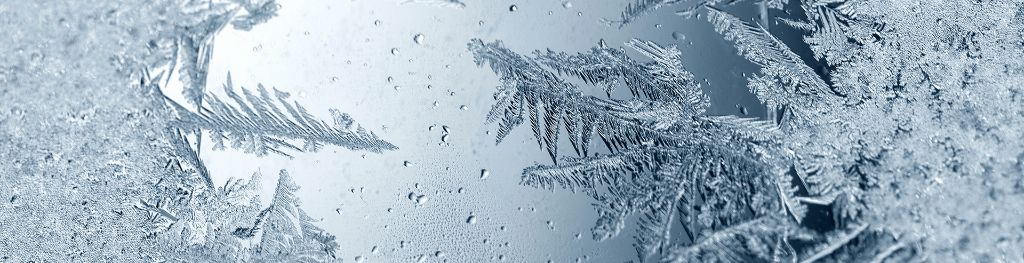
(743,110)
(430,86)
(579,235)
(461,190)
(334,79)
(305,33)
(501,257)
(446,129)
(422,199)
(338,210)
(394,51)
(431,128)
(678,36)
(418,39)
(376,22)
(436,103)
(513,8)
(481,23)
(359,259)
(444,138)
(657,25)
(580,14)
(551,13)
(484,173)
(464,107)
(472,220)
(407,164)
(439,254)
(421,258)
(374,250)
(390,79)
(567,4)
(503,228)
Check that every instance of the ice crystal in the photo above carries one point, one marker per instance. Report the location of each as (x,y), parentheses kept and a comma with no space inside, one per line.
(669,161)
(258,125)
(891,126)
(133,186)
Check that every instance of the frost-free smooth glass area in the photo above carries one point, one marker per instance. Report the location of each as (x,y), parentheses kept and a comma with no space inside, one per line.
(517,131)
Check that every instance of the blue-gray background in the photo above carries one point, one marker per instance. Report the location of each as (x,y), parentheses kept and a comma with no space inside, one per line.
(334,54)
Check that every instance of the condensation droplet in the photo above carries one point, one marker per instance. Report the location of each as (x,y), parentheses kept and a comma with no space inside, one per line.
(464,107)
(471,220)
(394,51)
(407,164)
(513,8)
(678,36)
(374,250)
(484,173)
(567,4)
(439,254)
(446,129)
(422,199)
(421,258)
(390,79)
(444,138)
(376,22)
(359,259)
(418,39)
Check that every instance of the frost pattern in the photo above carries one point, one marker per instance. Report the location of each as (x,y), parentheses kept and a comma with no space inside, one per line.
(893,125)
(131,184)
(258,125)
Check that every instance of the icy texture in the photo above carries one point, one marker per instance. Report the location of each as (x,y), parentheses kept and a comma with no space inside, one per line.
(906,144)
(118,177)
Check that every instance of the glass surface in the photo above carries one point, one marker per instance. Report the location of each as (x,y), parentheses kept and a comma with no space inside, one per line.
(263,131)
